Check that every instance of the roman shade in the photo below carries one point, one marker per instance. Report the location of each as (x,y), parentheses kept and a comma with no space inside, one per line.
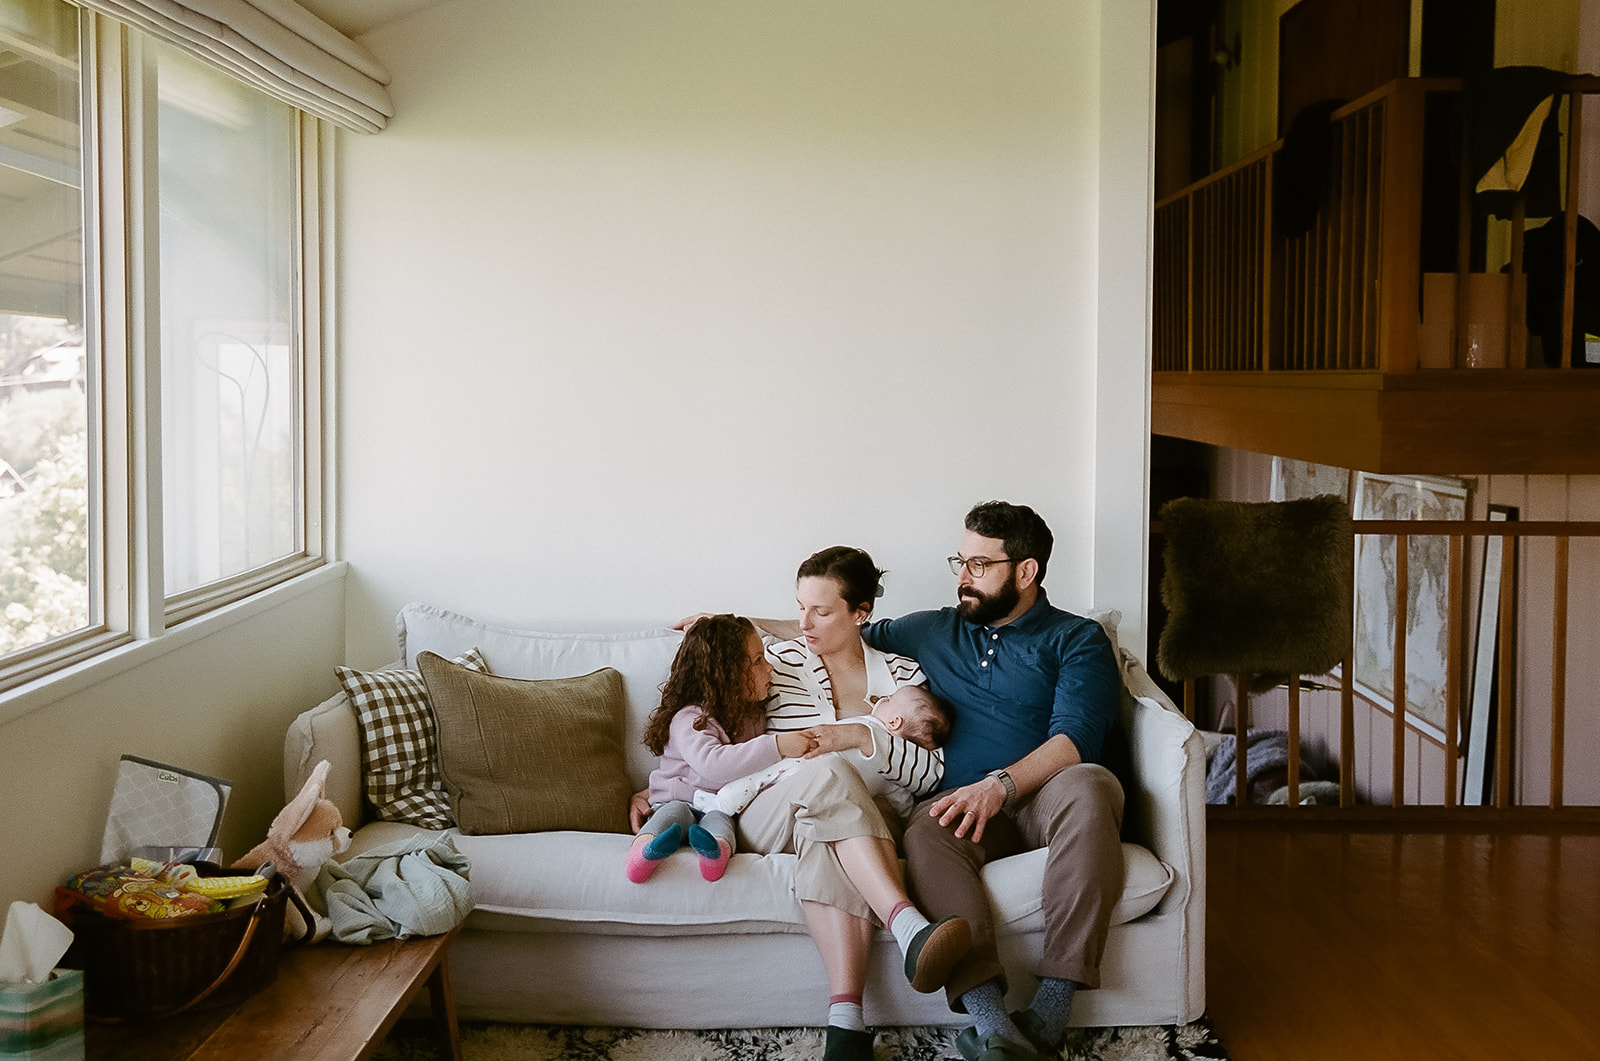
(276,46)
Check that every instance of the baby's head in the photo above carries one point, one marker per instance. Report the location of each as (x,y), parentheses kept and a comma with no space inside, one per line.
(914,713)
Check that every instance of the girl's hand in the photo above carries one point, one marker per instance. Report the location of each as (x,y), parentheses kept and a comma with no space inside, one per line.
(639,810)
(689,620)
(793,745)
(827,739)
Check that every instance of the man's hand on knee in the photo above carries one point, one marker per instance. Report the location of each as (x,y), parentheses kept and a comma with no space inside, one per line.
(970,807)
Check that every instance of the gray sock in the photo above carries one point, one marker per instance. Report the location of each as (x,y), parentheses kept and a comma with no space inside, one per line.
(986,1005)
(1052,1004)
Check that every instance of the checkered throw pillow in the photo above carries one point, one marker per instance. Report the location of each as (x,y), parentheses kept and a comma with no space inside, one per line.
(400,745)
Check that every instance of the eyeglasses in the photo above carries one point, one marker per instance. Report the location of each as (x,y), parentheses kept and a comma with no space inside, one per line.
(975,566)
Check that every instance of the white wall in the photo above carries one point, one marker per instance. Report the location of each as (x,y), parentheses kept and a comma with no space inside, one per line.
(643,303)
(1122,396)
(218,705)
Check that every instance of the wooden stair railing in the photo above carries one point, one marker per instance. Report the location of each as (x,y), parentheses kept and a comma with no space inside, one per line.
(1230,296)
(1457,532)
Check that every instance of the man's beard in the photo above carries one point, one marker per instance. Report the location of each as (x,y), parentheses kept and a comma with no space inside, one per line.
(977,607)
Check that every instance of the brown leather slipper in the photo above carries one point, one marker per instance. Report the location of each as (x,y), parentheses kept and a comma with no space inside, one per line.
(934,952)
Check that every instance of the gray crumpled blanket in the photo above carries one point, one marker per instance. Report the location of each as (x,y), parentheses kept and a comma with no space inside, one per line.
(1269,749)
(412,887)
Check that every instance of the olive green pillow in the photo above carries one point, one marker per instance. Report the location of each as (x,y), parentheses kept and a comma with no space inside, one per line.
(523,756)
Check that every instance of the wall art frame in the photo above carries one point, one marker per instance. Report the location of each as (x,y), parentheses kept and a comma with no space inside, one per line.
(1405,497)
(1477,782)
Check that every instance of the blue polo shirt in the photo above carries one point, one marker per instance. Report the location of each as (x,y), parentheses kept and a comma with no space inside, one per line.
(1011,687)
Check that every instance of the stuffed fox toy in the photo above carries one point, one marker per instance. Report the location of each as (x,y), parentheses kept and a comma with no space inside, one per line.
(304,835)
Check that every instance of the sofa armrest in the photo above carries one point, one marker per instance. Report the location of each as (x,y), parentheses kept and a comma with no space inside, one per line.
(1168,763)
(327,731)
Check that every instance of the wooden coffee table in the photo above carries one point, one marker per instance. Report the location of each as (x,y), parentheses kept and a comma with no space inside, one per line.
(330,1002)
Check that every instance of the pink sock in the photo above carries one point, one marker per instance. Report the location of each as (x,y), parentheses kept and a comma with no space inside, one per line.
(639,867)
(713,868)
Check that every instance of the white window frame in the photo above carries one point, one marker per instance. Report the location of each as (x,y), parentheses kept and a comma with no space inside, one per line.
(131,615)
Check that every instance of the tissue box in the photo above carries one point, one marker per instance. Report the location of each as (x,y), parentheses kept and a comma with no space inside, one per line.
(43,1022)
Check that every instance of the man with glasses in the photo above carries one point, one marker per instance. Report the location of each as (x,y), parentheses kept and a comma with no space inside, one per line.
(1034,691)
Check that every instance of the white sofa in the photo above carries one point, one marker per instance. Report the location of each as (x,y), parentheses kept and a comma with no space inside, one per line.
(559,935)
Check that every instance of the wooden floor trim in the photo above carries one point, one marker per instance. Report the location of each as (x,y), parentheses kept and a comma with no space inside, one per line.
(1411,819)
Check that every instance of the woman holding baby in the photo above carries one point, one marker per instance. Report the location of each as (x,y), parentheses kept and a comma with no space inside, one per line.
(824,812)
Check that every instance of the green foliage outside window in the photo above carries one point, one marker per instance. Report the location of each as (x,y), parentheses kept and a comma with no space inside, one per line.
(44,502)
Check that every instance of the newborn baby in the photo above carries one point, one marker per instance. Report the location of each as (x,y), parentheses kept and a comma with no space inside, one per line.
(911,713)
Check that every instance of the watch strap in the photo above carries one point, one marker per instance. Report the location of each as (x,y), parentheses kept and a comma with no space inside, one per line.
(1010,787)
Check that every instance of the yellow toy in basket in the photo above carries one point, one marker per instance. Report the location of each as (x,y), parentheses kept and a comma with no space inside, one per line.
(187,878)
(227,887)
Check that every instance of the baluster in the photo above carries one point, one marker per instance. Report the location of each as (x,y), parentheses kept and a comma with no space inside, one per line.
(1241,746)
(1452,671)
(1558,676)
(1508,634)
(1574,148)
(1402,597)
(1190,326)
(1294,740)
(1347,732)
(1517,311)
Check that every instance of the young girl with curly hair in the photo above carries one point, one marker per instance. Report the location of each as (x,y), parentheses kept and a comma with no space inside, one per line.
(708,730)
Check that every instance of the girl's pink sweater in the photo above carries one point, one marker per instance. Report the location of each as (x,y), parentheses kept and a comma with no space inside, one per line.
(706,759)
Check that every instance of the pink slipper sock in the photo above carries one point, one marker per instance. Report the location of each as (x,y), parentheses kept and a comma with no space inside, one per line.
(714,868)
(640,867)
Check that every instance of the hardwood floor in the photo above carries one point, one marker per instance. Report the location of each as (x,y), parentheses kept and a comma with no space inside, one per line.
(1381,944)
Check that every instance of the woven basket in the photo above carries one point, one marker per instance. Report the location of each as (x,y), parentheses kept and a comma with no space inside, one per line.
(143,968)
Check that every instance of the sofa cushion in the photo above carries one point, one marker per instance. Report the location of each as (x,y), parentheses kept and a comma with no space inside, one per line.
(517,879)
(399,745)
(643,659)
(327,731)
(522,756)
(1014,892)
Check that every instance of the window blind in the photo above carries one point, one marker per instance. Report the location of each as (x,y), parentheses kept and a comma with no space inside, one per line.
(275,45)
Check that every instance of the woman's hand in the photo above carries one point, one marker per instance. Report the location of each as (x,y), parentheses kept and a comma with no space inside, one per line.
(827,739)
(794,744)
(639,810)
(689,620)
(970,806)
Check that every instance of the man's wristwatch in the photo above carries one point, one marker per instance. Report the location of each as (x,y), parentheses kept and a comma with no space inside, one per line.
(1010,786)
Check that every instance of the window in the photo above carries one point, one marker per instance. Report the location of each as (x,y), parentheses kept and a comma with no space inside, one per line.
(160,405)
(44,401)
(229,449)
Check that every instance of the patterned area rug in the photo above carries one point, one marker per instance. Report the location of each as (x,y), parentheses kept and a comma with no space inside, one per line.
(542,1042)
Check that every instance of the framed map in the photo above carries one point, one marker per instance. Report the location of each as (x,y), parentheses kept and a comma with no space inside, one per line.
(1295,479)
(1405,497)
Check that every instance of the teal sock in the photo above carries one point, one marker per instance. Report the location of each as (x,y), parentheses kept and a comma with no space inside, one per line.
(664,843)
(704,844)
(1052,1004)
(986,1005)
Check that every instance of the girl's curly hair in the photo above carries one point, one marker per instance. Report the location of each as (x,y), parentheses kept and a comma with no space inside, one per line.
(711,672)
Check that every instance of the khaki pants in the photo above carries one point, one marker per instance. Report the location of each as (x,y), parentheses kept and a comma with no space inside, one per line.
(1077,814)
(805,812)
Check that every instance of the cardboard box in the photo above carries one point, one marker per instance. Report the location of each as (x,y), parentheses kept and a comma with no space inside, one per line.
(43,1022)
(1488,295)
